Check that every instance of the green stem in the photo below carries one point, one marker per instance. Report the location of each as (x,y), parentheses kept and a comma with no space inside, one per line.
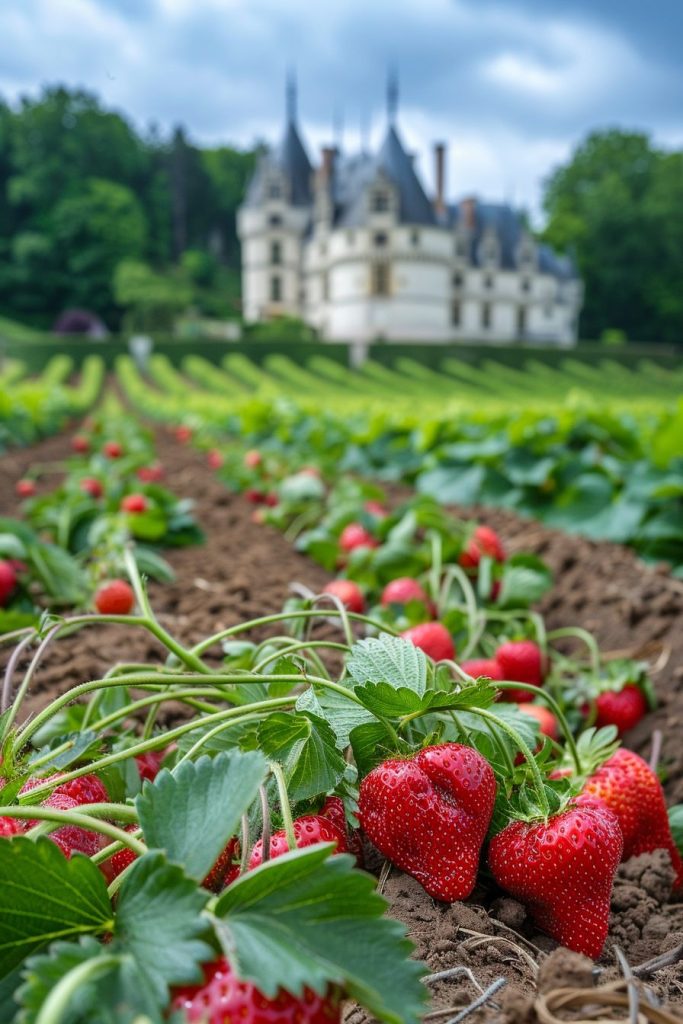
(556,710)
(285,806)
(300,645)
(74,818)
(145,702)
(528,756)
(60,999)
(586,637)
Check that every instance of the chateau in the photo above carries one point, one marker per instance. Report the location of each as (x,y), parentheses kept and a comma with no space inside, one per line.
(357,249)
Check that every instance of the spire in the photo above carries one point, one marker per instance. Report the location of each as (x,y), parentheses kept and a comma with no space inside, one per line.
(291,97)
(338,128)
(392,96)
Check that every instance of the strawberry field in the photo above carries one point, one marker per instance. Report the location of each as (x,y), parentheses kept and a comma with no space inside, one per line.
(341,695)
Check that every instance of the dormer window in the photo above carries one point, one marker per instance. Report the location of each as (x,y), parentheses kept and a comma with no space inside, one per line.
(379,202)
(274,190)
(275,220)
(380,239)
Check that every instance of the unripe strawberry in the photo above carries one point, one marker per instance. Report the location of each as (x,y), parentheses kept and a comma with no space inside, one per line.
(476,667)
(92,486)
(484,541)
(354,535)
(349,593)
(520,661)
(214,459)
(134,503)
(433,638)
(8,581)
(112,449)
(25,488)
(253,458)
(403,590)
(80,444)
(115,598)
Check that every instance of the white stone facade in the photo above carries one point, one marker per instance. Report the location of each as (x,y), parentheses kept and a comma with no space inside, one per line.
(359,252)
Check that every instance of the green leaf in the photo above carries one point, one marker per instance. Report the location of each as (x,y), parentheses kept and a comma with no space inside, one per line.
(151,564)
(387,701)
(306,746)
(11,546)
(676,824)
(342,713)
(44,895)
(388,659)
(82,743)
(61,576)
(204,798)
(372,743)
(308,919)
(524,581)
(159,927)
(44,972)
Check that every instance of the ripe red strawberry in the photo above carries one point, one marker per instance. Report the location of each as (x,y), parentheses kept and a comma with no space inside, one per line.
(376,508)
(433,638)
(92,486)
(563,870)
(214,459)
(134,503)
(80,444)
(354,535)
(149,764)
(484,541)
(520,661)
(429,815)
(271,499)
(623,708)
(255,496)
(349,593)
(115,598)
(183,433)
(403,590)
(333,809)
(223,999)
(25,488)
(8,581)
(112,449)
(225,870)
(151,474)
(10,827)
(308,830)
(87,789)
(545,718)
(482,667)
(72,838)
(629,787)
(252,458)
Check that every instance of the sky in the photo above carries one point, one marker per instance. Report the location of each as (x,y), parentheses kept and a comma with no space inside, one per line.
(511,86)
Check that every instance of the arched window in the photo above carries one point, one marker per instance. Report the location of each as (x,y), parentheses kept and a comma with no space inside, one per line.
(276,253)
(486,315)
(275,289)
(379,284)
(379,201)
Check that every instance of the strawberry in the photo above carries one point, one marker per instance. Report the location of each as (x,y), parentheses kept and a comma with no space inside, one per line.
(92,486)
(349,593)
(482,667)
(87,789)
(311,471)
(183,433)
(376,508)
(8,581)
(333,809)
(255,496)
(111,869)
(223,999)
(71,838)
(80,444)
(623,708)
(403,590)
(271,499)
(354,535)
(112,449)
(433,638)
(563,870)
(629,787)
(252,458)
(25,488)
(484,541)
(214,459)
(135,503)
(520,661)
(545,718)
(10,827)
(149,764)
(151,474)
(429,815)
(115,598)
(225,870)
(308,830)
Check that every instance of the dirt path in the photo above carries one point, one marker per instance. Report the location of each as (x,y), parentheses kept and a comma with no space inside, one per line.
(245,570)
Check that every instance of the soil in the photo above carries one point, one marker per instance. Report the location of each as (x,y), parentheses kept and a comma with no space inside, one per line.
(246,570)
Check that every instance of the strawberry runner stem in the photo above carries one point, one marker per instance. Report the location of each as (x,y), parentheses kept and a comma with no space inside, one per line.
(78,818)
(580,634)
(60,999)
(285,806)
(526,752)
(556,710)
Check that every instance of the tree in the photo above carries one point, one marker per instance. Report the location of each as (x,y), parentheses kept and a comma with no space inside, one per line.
(152,301)
(617,204)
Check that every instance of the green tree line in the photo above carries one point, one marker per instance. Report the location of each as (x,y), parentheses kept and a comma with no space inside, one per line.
(95,214)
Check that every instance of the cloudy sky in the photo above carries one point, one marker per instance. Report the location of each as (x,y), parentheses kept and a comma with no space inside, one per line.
(511,85)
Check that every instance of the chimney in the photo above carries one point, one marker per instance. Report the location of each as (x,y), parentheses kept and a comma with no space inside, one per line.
(440,176)
(327,166)
(468,213)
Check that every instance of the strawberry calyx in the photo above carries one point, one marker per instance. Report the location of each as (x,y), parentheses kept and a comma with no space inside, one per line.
(593,747)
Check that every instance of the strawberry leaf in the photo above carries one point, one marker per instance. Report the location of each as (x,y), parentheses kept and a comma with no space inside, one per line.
(387,701)
(342,713)
(308,919)
(306,747)
(43,895)
(372,743)
(46,970)
(204,798)
(676,825)
(388,659)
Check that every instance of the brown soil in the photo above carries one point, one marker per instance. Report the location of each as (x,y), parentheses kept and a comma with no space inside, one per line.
(245,570)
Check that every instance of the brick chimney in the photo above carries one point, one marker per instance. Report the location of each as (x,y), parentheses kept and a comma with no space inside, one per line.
(468,213)
(440,178)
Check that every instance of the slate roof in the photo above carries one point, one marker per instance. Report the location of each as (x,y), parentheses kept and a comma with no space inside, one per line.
(292,159)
